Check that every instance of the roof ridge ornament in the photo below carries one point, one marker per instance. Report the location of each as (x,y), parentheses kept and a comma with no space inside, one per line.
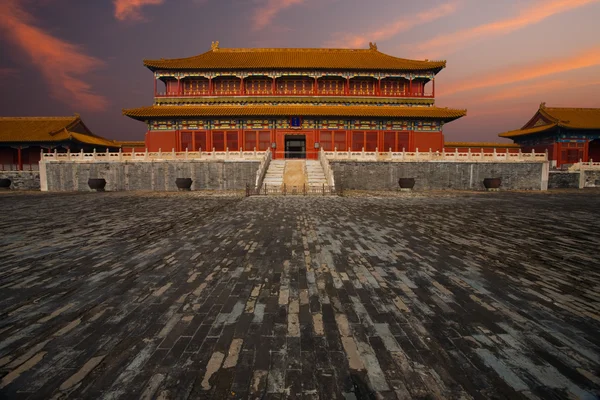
(214,45)
(543,105)
(373,46)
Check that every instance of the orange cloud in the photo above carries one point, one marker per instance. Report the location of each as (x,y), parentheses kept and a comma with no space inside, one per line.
(59,62)
(587,58)
(130,9)
(404,24)
(264,15)
(532,15)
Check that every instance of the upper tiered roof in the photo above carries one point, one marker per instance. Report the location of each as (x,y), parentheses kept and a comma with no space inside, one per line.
(292,58)
(551,117)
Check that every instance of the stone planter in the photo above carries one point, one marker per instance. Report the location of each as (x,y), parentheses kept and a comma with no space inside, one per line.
(5,183)
(184,183)
(492,183)
(97,184)
(406,183)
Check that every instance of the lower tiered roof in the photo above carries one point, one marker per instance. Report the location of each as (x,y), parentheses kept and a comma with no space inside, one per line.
(144,113)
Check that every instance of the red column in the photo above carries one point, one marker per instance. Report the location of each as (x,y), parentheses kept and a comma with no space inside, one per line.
(347,87)
(155,86)
(433,87)
(210,87)
(19,159)
(410,92)
(274,88)
(316,88)
(379,87)
(178,87)
(242,91)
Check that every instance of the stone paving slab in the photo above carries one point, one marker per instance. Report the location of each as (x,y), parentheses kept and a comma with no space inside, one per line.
(138,295)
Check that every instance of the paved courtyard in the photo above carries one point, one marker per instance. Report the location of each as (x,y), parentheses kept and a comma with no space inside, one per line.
(174,296)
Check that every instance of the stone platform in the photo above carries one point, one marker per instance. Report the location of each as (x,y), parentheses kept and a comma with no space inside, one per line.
(179,295)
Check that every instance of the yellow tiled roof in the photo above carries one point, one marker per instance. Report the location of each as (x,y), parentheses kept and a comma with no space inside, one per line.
(528,131)
(576,118)
(131,143)
(289,58)
(33,129)
(143,113)
(481,144)
(571,118)
(46,130)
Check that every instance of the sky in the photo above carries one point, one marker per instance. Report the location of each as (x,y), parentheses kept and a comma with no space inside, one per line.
(504,57)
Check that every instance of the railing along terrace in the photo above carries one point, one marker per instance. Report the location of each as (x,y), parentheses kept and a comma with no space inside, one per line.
(154,156)
(590,165)
(419,156)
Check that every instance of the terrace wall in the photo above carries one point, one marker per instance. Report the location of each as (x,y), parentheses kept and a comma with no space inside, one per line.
(367,175)
(22,180)
(149,175)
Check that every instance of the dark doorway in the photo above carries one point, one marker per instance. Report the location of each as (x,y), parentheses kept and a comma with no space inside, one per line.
(295,146)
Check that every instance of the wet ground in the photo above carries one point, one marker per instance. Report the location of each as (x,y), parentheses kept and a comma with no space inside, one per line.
(449,296)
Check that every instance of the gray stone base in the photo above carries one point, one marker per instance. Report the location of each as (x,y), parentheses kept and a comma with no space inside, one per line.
(22,180)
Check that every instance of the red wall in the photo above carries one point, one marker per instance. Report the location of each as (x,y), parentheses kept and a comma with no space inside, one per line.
(163,140)
(249,139)
(427,140)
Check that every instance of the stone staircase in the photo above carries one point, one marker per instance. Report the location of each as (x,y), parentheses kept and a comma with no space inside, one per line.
(315,174)
(274,175)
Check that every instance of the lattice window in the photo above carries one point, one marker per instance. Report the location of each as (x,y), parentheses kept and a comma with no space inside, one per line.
(195,87)
(186,141)
(258,86)
(301,86)
(226,86)
(362,87)
(394,87)
(331,87)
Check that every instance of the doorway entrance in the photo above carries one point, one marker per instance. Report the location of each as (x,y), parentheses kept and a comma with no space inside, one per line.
(295,146)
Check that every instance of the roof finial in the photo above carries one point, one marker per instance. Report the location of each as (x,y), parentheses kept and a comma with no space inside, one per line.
(214,46)
(543,105)
(373,46)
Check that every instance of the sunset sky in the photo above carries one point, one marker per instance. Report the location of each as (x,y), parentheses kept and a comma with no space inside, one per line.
(504,57)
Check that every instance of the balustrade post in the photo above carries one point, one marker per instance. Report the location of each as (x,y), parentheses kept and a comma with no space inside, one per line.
(120,154)
(186,153)
(417,153)
(81,154)
(160,152)
(214,155)
(469,154)
(403,154)
(430,154)
(363,153)
(69,154)
(146,154)
(456,153)
(241,153)
(94,153)
(227,153)
(481,156)
(254,151)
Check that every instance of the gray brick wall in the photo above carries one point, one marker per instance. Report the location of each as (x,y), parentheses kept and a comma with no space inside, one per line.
(437,175)
(22,180)
(156,176)
(563,180)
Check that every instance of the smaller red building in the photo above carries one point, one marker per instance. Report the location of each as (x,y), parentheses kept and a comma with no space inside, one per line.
(22,139)
(569,135)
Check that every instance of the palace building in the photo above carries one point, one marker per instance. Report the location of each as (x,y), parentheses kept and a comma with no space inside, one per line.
(569,135)
(294,101)
(22,139)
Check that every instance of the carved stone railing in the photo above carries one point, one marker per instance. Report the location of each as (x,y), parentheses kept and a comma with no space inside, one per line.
(419,156)
(326,168)
(154,156)
(263,167)
(588,166)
